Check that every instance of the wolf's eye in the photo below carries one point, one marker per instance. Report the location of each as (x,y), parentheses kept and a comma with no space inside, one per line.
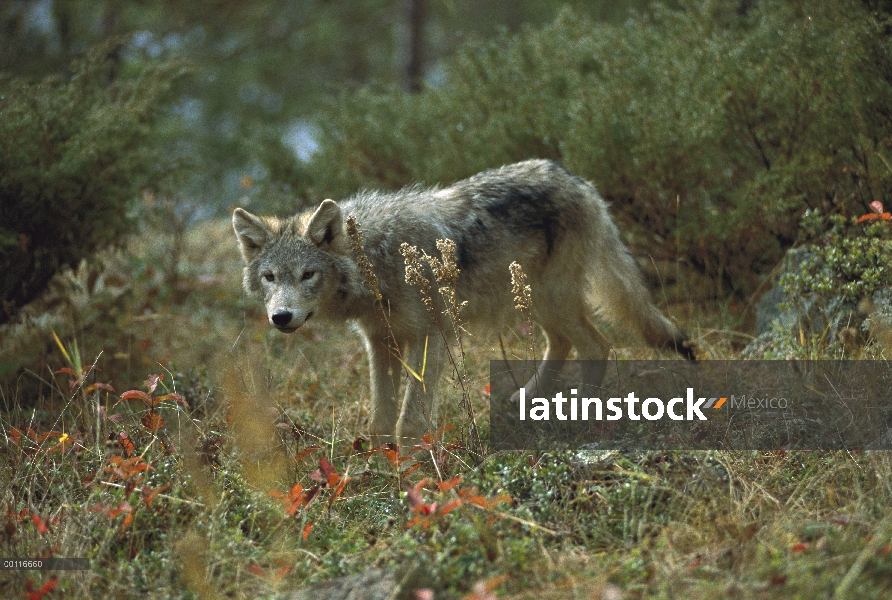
(308,275)
(269,276)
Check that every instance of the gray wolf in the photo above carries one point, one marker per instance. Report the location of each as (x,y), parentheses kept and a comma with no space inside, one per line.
(535,212)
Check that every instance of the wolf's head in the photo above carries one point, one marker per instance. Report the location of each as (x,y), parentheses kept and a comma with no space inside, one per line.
(292,264)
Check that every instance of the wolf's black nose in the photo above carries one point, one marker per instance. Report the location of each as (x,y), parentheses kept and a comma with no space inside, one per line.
(282,318)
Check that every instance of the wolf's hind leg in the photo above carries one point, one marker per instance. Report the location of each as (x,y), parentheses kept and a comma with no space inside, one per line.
(557,349)
(593,348)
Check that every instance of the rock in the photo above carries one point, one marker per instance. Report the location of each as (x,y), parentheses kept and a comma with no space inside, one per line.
(847,323)
(373,584)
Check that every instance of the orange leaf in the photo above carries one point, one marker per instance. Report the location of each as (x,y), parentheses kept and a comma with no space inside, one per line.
(874,217)
(445,486)
(341,485)
(394,456)
(99,386)
(148,494)
(67,371)
(450,507)
(410,470)
(256,570)
(16,435)
(306,452)
(443,429)
(152,421)
(499,499)
(307,529)
(479,501)
(43,436)
(175,397)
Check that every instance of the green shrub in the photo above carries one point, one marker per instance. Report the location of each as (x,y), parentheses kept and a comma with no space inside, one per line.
(710,132)
(74,153)
(849,263)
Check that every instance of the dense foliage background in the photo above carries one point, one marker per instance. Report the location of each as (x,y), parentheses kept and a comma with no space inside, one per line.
(710,126)
(711,131)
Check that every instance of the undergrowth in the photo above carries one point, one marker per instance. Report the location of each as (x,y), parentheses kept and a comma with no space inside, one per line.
(227,460)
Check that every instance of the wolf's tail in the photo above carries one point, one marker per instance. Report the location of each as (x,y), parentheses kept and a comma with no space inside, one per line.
(618,293)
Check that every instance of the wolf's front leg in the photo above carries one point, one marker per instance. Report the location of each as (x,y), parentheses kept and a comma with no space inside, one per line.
(385,373)
(418,402)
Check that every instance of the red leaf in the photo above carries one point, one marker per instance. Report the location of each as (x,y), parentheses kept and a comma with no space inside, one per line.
(39,594)
(126,444)
(306,452)
(445,486)
(67,371)
(310,495)
(361,444)
(40,524)
(324,473)
(257,571)
(413,495)
(800,547)
(137,394)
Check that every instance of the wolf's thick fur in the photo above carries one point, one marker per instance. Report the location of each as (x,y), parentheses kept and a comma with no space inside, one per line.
(536,213)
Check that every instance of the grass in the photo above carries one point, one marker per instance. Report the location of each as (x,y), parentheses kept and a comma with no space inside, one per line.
(259,482)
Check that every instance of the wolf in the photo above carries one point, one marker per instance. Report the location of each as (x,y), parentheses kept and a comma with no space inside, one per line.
(551,222)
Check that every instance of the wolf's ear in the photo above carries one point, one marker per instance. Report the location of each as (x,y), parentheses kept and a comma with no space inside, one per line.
(251,231)
(326,226)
